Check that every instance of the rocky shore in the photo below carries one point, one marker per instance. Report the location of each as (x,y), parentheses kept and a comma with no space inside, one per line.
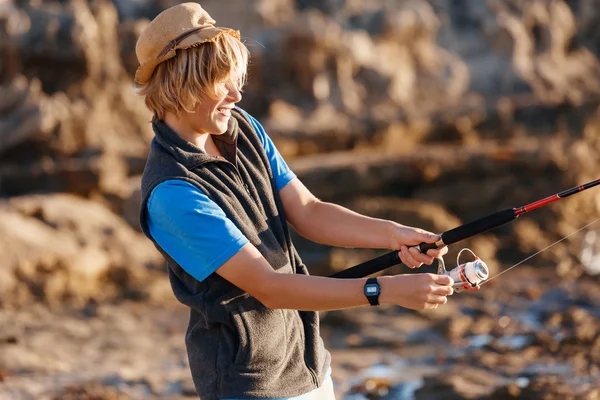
(431,113)
(527,335)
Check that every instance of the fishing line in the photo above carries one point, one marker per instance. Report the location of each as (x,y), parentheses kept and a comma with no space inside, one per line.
(544,249)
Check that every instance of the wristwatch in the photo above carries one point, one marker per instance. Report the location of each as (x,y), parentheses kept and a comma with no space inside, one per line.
(372,291)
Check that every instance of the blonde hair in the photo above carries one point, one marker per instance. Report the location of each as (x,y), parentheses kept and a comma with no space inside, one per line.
(193,75)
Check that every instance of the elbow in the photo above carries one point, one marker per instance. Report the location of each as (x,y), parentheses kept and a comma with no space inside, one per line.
(303,222)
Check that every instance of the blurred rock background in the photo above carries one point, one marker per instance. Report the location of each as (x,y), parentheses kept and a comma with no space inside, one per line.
(431,113)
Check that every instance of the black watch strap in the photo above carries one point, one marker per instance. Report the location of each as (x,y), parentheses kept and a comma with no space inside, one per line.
(372,291)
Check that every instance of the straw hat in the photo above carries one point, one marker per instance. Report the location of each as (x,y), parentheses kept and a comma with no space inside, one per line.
(179,27)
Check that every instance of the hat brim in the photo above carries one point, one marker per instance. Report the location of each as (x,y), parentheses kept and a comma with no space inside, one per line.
(144,72)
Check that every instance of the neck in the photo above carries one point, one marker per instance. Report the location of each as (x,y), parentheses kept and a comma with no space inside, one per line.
(199,139)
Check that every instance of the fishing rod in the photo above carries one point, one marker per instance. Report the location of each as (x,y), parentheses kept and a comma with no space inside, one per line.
(459,233)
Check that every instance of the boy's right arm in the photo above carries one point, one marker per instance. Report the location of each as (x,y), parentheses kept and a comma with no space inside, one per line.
(251,272)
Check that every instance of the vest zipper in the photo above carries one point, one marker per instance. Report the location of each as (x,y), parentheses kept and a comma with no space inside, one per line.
(238,176)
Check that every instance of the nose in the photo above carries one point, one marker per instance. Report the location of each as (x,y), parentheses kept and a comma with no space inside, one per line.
(234,94)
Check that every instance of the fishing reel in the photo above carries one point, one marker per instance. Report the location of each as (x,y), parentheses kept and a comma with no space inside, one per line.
(466,276)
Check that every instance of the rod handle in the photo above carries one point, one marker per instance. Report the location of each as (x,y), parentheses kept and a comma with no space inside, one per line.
(369,267)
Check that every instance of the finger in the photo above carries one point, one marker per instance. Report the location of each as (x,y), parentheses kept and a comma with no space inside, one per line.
(437,299)
(408,259)
(442,290)
(443,280)
(425,237)
(430,306)
(436,253)
(420,257)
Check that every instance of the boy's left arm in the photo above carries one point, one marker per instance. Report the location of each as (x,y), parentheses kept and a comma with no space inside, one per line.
(335,225)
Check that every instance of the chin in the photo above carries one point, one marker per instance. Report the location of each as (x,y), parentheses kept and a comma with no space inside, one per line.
(219,130)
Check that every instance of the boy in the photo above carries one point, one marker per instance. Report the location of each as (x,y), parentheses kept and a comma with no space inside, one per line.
(217,198)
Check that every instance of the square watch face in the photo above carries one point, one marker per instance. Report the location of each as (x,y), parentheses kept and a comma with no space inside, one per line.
(372,289)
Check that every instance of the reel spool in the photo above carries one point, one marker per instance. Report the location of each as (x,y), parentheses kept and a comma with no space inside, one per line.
(466,276)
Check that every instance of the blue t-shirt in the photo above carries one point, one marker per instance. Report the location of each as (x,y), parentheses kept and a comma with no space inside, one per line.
(192,228)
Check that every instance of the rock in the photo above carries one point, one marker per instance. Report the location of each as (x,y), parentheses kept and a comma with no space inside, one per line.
(459,325)
(511,391)
(27,114)
(136,10)
(437,386)
(70,249)
(120,340)
(323,130)
(31,250)
(92,390)
(444,169)
(128,33)
(60,117)
(276,12)
(543,55)
(81,175)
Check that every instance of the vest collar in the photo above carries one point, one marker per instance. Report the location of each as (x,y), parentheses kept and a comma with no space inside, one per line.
(191,155)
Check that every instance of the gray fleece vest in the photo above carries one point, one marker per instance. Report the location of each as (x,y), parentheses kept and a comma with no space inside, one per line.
(237,347)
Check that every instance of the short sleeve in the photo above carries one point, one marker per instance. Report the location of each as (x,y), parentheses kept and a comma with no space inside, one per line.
(192,228)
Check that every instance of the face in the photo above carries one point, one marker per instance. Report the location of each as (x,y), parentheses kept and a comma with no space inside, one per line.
(212,115)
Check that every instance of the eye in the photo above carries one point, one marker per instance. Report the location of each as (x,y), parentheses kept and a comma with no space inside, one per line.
(221,88)
(232,84)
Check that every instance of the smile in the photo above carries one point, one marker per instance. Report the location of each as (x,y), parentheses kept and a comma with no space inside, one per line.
(224,111)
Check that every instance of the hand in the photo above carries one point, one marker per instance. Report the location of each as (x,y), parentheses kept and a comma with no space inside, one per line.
(416,291)
(405,237)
